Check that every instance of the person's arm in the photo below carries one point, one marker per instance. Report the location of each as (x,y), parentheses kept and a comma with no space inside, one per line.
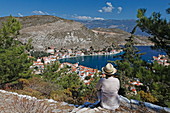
(119,83)
(98,86)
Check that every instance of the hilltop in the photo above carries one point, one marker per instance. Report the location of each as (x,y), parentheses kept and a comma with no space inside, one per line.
(47,31)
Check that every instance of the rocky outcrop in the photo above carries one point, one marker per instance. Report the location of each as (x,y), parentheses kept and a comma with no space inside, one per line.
(11,102)
(126,106)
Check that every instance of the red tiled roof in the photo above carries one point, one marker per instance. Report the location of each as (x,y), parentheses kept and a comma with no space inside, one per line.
(90,74)
(133,89)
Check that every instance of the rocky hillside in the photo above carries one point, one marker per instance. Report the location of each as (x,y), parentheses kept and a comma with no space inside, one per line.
(53,31)
(118,36)
(125,25)
(11,102)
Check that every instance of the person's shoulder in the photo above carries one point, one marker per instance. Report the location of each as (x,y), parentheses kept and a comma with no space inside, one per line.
(115,78)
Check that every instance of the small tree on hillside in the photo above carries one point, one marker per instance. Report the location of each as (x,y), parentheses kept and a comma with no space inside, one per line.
(131,65)
(14,62)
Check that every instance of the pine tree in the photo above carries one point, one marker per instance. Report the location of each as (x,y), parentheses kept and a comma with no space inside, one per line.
(14,62)
(9,33)
(168,11)
(159,31)
(131,66)
(160,83)
(158,28)
(155,77)
(131,59)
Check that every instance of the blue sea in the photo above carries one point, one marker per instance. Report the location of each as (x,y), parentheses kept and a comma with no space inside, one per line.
(100,61)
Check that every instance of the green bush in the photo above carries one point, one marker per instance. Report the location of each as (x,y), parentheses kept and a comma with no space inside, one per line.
(148,97)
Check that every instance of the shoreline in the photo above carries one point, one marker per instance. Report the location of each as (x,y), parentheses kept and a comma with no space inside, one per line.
(144,45)
(88,55)
(103,54)
(139,45)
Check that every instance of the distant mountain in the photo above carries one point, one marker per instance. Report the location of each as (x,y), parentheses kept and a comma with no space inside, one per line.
(47,31)
(125,25)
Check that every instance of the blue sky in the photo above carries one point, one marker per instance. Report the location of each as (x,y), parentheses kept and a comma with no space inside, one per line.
(83,9)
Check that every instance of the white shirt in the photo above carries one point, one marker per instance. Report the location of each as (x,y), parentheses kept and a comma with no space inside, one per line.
(108,94)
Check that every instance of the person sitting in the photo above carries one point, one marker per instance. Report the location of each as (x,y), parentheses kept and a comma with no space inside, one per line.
(107,88)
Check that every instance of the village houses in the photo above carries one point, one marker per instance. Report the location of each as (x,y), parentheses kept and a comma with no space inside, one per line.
(162,59)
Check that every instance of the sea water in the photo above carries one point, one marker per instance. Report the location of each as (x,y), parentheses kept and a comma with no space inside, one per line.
(99,61)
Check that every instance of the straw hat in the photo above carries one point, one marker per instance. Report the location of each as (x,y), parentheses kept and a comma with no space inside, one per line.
(109,69)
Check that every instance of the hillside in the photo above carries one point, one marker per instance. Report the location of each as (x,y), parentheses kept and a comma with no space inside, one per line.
(118,36)
(53,31)
(125,25)
(15,103)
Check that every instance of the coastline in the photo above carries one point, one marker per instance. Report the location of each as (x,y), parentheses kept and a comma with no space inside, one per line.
(98,62)
(90,55)
(139,44)
(92,61)
(145,45)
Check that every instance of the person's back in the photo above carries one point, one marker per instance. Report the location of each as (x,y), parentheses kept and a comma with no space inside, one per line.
(108,89)
(110,84)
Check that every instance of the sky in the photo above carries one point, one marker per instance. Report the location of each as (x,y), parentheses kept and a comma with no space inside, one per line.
(83,9)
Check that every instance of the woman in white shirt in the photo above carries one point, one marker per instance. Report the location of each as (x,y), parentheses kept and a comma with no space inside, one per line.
(108,88)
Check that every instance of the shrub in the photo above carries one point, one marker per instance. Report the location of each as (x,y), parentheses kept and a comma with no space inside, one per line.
(58,95)
(23,81)
(42,86)
(136,97)
(87,77)
(31,92)
(146,96)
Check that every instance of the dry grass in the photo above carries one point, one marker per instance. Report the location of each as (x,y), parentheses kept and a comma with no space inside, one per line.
(13,103)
